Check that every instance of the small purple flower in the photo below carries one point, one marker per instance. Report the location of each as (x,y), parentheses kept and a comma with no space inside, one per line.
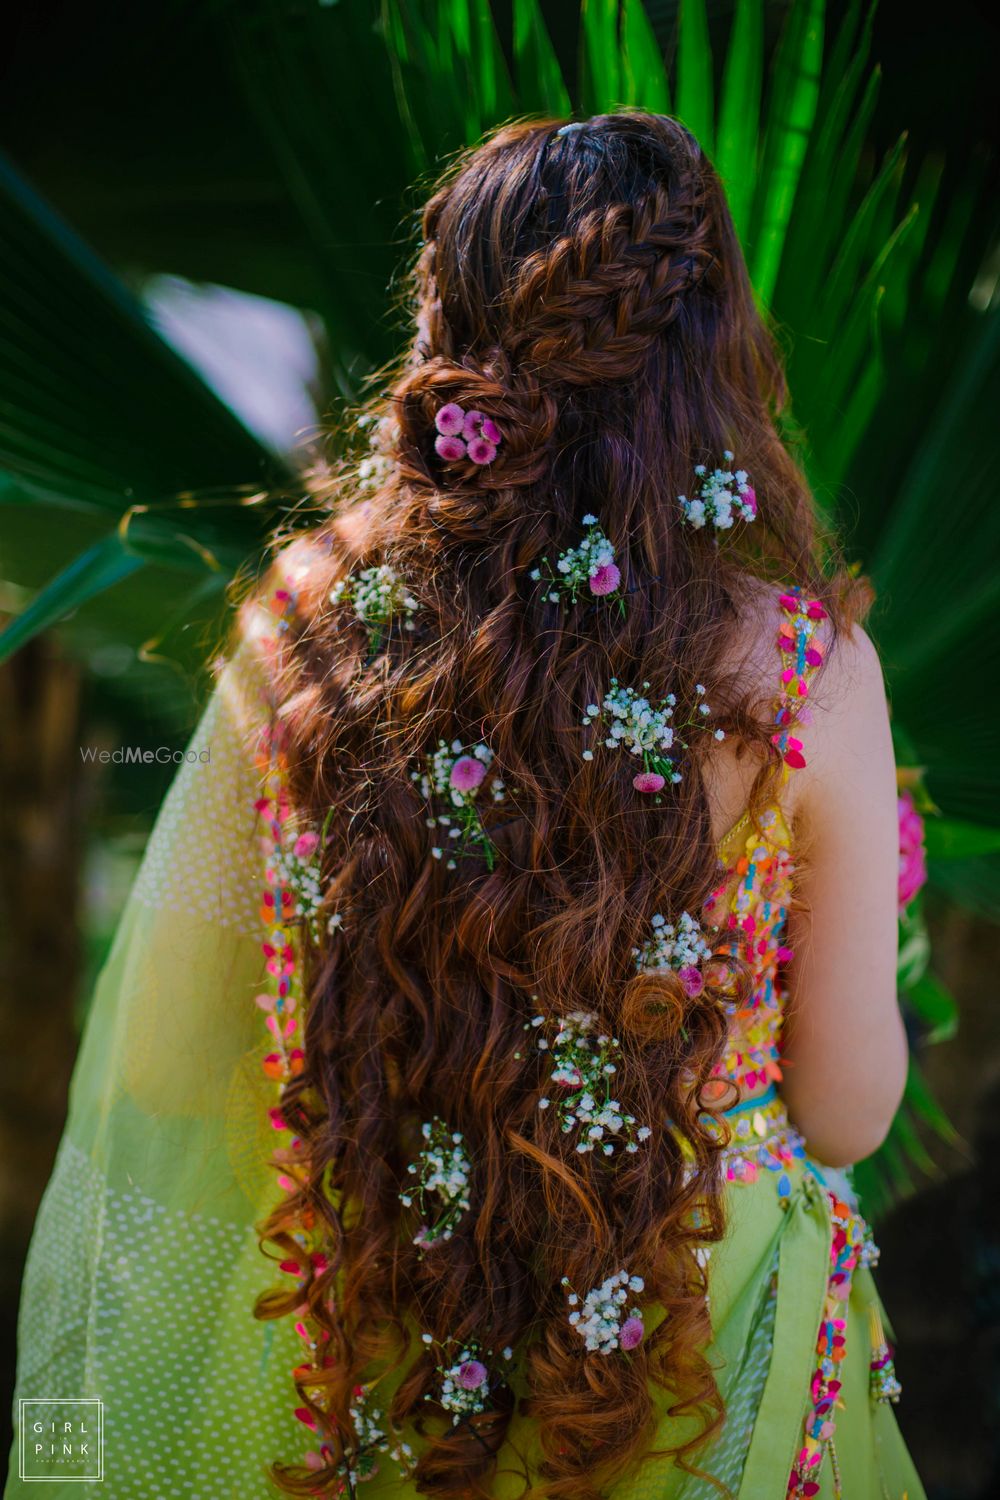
(449,448)
(632,1333)
(473,421)
(449,419)
(481,451)
(306,845)
(749,498)
(467,774)
(649,781)
(692,979)
(491,431)
(472,1375)
(605,580)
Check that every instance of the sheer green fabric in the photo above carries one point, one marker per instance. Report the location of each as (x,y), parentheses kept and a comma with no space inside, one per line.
(144,1263)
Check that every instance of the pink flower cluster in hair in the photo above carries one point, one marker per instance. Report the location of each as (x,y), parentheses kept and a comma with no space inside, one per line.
(465,434)
(912,853)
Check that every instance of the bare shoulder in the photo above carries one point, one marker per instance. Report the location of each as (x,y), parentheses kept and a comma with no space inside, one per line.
(846,721)
(848,695)
(848,739)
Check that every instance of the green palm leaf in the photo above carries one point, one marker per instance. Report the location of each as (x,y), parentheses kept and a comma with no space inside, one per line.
(644,73)
(75,421)
(600,57)
(694,72)
(790,116)
(739,110)
(539,77)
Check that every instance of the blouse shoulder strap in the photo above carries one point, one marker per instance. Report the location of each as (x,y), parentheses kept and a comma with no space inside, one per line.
(801,651)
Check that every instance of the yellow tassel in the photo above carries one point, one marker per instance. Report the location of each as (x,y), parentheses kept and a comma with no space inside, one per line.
(884,1385)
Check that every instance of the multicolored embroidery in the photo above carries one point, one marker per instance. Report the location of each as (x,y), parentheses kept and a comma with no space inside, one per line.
(762,1138)
(798,640)
(831,1350)
(756,907)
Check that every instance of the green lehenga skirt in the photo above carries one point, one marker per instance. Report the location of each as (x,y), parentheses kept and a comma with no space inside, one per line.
(144,1264)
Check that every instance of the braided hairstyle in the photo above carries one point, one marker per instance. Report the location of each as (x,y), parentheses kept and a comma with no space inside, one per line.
(586,292)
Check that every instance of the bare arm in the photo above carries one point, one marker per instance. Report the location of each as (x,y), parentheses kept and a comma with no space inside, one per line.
(845,1046)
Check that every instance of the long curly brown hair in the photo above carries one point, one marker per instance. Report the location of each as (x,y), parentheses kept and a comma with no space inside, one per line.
(585,290)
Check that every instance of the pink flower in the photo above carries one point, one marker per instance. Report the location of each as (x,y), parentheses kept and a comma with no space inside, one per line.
(631,1334)
(467,773)
(449,419)
(912,853)
(306,845)
(449,448)
(749,498)
(649,781)
(692,980)
(472,1375)
(605,580)
(481,451)
(572,1080)
(473,421)
(491,431)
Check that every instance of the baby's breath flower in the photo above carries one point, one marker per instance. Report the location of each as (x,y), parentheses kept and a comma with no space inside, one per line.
(590,566)
(459,777)
(601,1320)
(723,498)
(442,1168)
(681,947)
(582,1066)
(377,596)
(369,1441)
(465,1383)
(631,722)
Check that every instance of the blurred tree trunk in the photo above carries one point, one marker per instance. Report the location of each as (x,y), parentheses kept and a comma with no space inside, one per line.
(44,781)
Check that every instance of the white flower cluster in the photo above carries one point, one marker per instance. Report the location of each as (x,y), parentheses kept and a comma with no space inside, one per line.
(591,565)
(295,866)
(582,1069)
(439,779)
(723,498)
(377,596)
(465,1383)
(371,1439)
(376,467)
(635,725)
(442,1168)
(672,947)
(602,1320)
(457,775)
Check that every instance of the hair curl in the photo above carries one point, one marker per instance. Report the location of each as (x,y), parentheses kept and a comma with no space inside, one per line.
(587,292)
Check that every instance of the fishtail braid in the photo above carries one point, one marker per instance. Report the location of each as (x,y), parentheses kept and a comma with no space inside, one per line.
(586,309)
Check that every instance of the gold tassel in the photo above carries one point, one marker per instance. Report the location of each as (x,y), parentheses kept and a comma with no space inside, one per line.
(884,1385)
